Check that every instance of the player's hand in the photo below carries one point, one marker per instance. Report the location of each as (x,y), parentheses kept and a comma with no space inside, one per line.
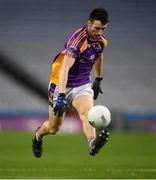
(96,87)
(61,105)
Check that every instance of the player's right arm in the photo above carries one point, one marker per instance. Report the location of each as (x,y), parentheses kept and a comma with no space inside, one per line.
(61,104)
(66,65)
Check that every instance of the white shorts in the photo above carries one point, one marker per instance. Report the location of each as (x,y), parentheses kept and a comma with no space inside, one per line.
(71,93)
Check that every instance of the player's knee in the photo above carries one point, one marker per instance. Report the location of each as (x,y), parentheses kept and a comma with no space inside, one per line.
(53,130)
(84,112)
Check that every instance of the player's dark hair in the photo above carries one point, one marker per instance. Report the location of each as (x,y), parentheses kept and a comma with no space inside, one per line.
(99,14)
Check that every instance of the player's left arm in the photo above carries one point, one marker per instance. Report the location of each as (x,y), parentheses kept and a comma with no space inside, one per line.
(98,70)
(98,66)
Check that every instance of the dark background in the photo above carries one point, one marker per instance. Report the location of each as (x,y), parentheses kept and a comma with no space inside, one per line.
(32,32)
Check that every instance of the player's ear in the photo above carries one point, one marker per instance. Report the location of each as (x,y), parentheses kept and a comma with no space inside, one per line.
(89,23)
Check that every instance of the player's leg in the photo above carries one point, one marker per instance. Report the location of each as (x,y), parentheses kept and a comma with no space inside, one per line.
(50,126)
(83,104)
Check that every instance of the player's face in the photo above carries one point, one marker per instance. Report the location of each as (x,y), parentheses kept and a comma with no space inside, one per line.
(96,29)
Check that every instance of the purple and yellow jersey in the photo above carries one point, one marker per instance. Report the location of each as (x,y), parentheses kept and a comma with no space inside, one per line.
(85,53)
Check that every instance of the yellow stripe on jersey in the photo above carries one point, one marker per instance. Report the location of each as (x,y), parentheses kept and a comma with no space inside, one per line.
(84,46)
(78,39)
(104,41)
(73,35)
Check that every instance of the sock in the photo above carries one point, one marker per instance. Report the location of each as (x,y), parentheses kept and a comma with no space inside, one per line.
(90,140)
(38,137)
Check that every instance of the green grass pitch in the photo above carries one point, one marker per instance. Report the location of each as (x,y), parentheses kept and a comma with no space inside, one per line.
(66,156)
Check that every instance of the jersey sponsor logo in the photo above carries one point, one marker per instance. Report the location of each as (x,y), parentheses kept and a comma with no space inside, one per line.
(89,46)
(92,56)
(87,60)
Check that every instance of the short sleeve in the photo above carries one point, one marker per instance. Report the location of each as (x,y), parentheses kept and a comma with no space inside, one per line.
(75,42)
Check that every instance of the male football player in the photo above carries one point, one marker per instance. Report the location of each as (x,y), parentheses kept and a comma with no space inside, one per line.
(70,81)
